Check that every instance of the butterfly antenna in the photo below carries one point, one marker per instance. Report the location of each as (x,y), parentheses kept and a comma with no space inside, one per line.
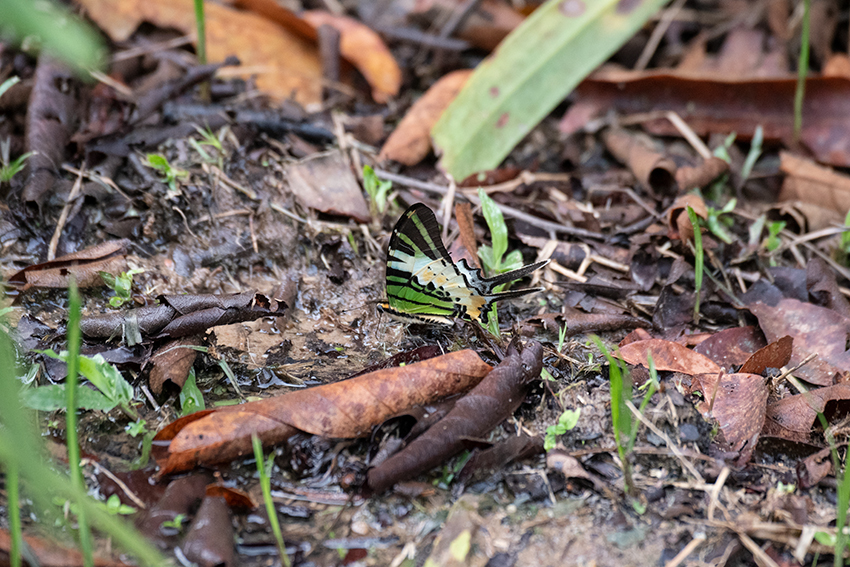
(508,277)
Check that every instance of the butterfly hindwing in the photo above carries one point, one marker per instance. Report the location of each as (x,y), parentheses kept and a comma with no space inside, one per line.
(424,285)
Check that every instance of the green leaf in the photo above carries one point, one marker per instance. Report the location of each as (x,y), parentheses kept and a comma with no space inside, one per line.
(498,229)
(191,398)
(52,398)
(532,71)
(103,375)
(58,30)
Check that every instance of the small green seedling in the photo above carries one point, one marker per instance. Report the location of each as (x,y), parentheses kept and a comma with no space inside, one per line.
(754,153)
(175,525)
(567,422)
(772,241)
(450,471)
(209,139)
(191,398)
(718,221)
(168,171)
(121,284)
(263,468)
(9,168)
(843,252)
(493,257)
(377,189)
(698,259)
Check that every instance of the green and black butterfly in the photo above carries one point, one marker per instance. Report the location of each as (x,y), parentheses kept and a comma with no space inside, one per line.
(425,286)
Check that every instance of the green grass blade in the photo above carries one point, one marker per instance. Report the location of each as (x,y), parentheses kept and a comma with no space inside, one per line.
(74,338)
(12,495)
(532,71)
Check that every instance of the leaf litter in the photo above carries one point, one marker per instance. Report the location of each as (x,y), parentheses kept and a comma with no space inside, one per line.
(272,200)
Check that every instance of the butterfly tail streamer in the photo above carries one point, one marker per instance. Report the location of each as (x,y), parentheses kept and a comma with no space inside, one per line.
(510,294)
(491,283)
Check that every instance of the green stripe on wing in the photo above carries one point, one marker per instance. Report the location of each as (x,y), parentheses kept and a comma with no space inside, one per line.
(425,286)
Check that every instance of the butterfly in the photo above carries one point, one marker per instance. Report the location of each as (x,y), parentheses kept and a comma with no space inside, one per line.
(424,285)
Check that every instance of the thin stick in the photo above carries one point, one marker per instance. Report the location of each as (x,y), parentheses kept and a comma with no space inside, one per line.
(63,217)
(670,444)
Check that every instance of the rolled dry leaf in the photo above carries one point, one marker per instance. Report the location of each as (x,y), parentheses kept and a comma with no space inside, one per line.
(652,168)
(699,176)
(85,266)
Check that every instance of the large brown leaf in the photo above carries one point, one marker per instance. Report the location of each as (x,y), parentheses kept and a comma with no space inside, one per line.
(473,416)
(84,265)
(349,408)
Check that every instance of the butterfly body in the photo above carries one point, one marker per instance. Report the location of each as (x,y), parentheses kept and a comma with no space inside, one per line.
(425,286)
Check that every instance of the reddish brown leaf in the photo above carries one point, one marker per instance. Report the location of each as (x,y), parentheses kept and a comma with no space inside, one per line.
(812,183)
(283,64)
(738,403)
(668,355)
(720,106)
(570,467)
(51,554)
(325,183)
(814,330)
(171,363)
(732,346)
(814,468)
(823,287)
(365,49)
(349,408)
(701,175)
(83,265)
(410,142)
(473,416)
(792,417)
(678,220)
(775,355)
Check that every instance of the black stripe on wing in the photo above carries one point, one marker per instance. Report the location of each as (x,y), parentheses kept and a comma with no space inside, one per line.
(419,225)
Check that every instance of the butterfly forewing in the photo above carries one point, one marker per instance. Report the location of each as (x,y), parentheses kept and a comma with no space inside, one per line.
(423,282)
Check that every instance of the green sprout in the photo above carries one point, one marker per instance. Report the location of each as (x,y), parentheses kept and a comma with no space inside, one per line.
(191,398)
(170,173)
(493,257)
(699,261)
(208,138)
(772,241)
(263,469)
(567,422)
(121,284)
(376,188)
(9,168)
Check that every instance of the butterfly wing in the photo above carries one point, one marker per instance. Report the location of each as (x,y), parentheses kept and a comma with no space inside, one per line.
(422,280)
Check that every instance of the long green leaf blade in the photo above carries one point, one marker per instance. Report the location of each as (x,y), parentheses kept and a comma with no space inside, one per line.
(533,69)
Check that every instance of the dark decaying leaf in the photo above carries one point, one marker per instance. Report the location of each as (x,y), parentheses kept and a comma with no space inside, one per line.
(184,315)
(823,287)
(775,355)
(171,363)
(514,448)
(209,542)
(793,417)
(577,323)
(732,347)
(83,265)
(345,409)
(473,416)
(814,329)
(234,498)
(738,403)
(181,497)
(814,468)
(51,119)
(408,357)
(570,467)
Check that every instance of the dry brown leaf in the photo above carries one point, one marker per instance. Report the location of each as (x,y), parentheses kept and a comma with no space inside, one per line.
(668,356)
(410,142)
(793,417)
(651,167)
(84,266)
(325,183)
(678,221)
(284,63)
(812,183)
(364,49)
(343,409)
